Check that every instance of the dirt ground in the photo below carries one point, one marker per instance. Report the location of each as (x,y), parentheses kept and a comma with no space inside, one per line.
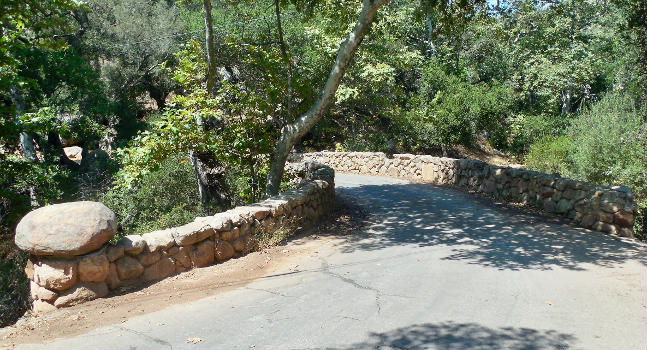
(185,287)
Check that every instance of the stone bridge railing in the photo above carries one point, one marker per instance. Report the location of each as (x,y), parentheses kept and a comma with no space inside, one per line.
(72,262)
(607,209)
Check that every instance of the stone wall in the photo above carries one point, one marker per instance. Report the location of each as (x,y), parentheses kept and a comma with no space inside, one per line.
(607,209)
(85,267)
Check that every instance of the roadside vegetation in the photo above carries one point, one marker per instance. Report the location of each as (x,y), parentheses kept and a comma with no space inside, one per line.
(169,118)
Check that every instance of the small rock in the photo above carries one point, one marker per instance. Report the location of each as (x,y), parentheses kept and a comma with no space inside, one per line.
(163,268)
(245,244)
(610,229)
(81,293)
(159,240)
(129,268)
(624,219)
(41,293)
(173,250)
(113,277)
(230,235)
(563,206)
(203,254)
(55,274)
(133,244)
(148,259)
(29,269)
(42,307)
(569,193)
(605,217)
(114,252)
(626,232)
(549,205)
(192,233)
(219,222)
(179,268)
(94,267)
(224,250)
(182,256)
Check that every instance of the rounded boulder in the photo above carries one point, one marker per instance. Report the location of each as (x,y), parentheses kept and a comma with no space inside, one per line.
(66,229)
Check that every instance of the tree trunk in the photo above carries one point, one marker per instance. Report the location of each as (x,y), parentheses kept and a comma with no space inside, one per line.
(566,102)
(209,173)
(210,177)
(211,51)
(430,31)
(292,133)
(286,58)
(26,140)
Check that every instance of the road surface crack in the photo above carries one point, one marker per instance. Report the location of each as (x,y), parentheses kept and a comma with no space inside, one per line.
(270,291)
(156,340)
(325,268)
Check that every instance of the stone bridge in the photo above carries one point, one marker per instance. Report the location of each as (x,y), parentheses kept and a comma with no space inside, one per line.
(434,267)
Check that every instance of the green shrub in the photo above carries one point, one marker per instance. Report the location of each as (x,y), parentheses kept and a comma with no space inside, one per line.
(163,198)
(525,129)
(605,145)
(14,285)
(551,155)
(451,111)
(610,148)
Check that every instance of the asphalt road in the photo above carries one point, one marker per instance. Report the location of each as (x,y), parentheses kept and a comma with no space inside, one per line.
(434,269)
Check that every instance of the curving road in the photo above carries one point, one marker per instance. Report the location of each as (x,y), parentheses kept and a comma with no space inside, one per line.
(433,269)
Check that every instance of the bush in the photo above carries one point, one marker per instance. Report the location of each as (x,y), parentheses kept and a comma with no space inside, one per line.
(526,129)
(163,198)
(610,144)
(451,111)
(14,285)
(551,155)
(604,145)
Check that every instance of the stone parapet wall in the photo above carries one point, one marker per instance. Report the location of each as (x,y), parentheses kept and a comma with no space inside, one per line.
(61,281)
(606,209)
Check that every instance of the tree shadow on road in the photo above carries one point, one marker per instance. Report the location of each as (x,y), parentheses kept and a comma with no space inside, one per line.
(477,232)
(450,335)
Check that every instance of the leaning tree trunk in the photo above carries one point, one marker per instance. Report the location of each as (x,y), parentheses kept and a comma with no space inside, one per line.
(210,177)
(292,133)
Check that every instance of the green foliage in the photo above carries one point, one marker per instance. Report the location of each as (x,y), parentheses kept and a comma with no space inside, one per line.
(452,111)
(551,155)
(605,145)
(14,284)
(559,53)
(611,140)
(134,38)
(196,121)
(162,198)
(19,178)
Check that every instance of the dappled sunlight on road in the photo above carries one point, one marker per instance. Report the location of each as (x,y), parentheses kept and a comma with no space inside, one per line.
(477,232)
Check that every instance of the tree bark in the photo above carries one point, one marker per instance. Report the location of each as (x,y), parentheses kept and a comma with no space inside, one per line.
(210,177)
(211,51)
(292,133)
(209,173)
(26,140)
(286,57)
(430,30)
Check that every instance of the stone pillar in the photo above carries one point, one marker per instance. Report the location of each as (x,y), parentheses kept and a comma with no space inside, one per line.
(68,264)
